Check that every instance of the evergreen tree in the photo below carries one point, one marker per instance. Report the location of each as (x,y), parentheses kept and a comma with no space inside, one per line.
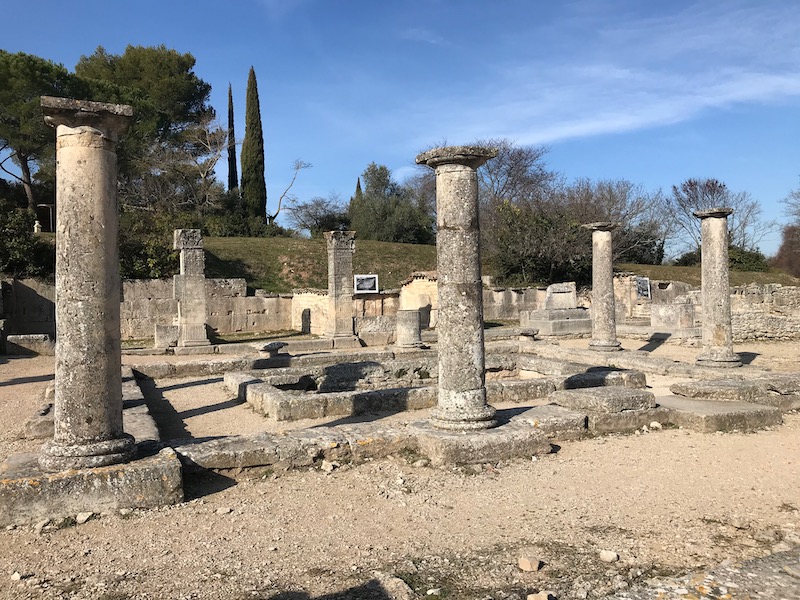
(233,174)
(254,186)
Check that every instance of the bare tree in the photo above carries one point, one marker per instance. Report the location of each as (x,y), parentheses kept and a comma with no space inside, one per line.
(297,166)
(318,214)
(746,227)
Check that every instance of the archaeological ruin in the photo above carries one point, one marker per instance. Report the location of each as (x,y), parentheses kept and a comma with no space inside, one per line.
(464,392)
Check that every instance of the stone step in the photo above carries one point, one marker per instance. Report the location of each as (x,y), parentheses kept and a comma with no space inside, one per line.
(706,416)
(604,399)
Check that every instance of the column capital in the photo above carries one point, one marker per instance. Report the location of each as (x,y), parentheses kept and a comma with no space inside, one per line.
(187,239)
(470,156)
(720,212)
(601,226)
(339,238)
(111,119)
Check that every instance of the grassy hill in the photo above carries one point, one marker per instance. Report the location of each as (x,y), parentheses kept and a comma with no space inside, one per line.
(284,264)
(691,275)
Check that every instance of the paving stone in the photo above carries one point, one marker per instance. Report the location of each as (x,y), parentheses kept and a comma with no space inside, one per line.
(707,416)
(718,389)
(604,399)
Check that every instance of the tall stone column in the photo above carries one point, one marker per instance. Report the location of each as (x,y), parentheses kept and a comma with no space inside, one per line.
(190,288)
(604,322)
(88,384)
(341,246)
(462,378)
(715,290)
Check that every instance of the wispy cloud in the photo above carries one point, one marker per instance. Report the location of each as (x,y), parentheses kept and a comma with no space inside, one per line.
(635,73)
(420,34)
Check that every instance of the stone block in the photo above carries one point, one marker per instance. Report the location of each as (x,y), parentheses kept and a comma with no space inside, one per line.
(549,366)
(166,336)
(706,416)
(604,399)
(602,376)
(244,451)
(186,239)
(489,445)
(518,391)
(626,421)
(728,390)
(32,343)
(561,296)
(555,421)
(27,494)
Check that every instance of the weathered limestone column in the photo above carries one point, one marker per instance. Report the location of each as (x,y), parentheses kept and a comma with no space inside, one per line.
(190,288)
(88,384)
(715,290)
(604,323)
(341,246)
(462,378)
(408,333)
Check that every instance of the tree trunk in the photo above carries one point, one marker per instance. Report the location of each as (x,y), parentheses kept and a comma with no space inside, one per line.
(26,180)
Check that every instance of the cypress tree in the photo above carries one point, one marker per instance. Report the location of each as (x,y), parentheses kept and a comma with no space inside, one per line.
(233,173)
(254,186)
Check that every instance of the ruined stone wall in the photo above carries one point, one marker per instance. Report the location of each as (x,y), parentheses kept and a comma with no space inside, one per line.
(316,303)
(505,304)
(765,312)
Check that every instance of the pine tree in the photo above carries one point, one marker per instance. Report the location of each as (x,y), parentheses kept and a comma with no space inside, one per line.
(233,174)
(254,186)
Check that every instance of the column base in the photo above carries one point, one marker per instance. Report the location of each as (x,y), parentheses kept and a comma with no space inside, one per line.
(57,457)
(461,414)
(605,345)
(718,357)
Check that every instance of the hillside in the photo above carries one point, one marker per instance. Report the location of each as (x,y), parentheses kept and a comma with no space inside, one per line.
(283,264)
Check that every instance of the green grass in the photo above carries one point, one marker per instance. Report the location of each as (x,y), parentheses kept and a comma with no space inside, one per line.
(282,264)
(691,275)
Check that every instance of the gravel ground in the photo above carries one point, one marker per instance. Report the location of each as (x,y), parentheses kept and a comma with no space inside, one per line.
(667,503)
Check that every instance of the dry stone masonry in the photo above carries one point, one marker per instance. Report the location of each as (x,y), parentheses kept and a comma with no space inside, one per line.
(715,290)
(462,385)
(88,382)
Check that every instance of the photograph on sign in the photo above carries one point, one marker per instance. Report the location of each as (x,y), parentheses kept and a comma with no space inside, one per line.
(365,284)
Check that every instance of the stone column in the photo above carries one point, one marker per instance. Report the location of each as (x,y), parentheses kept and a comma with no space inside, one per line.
(408,333)
(462,378)
(190,288)
(715,290)
(341,246)
(88,384)
(604,323)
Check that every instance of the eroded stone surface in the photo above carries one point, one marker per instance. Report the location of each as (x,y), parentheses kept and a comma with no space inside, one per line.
(719,389)
(604,400)
(706,416)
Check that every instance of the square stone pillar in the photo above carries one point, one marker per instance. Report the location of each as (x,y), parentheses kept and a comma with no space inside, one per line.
(190,288)
(341,246)
(715,291)
(88,384)
(462,377)
(604,320)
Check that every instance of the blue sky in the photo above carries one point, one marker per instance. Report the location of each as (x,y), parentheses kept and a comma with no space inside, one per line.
(654,92)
